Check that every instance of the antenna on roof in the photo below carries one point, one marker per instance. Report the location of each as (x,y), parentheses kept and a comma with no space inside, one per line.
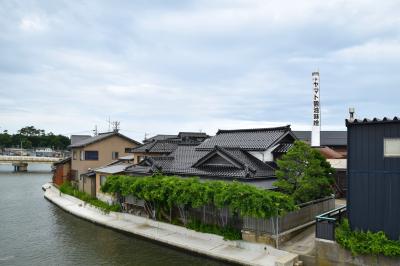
(115,126)
(145,135)
(351,112)
(95,132)
(109,124)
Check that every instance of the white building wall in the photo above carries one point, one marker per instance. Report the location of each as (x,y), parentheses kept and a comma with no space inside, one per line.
(264,156)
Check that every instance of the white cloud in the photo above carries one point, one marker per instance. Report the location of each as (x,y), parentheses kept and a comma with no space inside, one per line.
(163,68)
(33,23)
(374,50)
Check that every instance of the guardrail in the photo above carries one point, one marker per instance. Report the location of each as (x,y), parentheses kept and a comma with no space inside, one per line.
(326,223)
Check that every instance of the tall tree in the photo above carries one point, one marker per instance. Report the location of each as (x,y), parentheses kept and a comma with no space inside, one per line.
(304,173)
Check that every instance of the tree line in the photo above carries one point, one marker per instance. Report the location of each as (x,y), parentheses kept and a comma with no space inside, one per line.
(29,137)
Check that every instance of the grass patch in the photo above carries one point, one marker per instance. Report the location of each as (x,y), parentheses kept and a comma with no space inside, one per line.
(67,188)
(360,242)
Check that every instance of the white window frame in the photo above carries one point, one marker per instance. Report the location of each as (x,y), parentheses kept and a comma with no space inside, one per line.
(391,141)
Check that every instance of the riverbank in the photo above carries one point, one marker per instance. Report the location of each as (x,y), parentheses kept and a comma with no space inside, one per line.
(204,244)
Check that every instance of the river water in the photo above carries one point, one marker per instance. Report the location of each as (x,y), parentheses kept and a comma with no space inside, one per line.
(33,231)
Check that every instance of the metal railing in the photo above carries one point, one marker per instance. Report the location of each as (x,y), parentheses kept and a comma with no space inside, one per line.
(4,158)
(326,223)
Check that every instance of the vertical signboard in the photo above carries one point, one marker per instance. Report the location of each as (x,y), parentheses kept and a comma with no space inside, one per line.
(316,128)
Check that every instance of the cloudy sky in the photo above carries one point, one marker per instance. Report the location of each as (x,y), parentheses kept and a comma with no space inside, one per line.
(168,66)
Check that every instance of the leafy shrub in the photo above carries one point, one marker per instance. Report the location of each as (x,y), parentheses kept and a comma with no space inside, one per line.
(67,188)
(360,242)
(243,199)
(229,233)
(304,174)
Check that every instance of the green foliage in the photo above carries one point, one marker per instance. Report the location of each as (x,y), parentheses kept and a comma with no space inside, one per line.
(304,173)
(30,137)
(67,188)
(169,191)
(229,233)
(359,242)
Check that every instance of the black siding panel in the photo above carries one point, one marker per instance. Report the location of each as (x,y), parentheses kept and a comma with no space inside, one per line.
(373,181)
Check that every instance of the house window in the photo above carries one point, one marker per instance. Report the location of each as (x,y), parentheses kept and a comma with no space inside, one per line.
(74,155)
(127,150)
(102,179)
(91,155)
(82,155)
(114,155)
(391,147)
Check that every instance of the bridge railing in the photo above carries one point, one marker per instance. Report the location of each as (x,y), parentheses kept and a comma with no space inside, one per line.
(6,158)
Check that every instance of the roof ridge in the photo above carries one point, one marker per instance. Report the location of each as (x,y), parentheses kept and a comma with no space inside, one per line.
(395,119)
(287,127)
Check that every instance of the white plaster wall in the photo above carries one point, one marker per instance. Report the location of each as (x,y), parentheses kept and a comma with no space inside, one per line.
(265,156)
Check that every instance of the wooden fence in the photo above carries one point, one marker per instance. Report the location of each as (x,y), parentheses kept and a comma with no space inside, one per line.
(305,214)
(212,215)
(224,217)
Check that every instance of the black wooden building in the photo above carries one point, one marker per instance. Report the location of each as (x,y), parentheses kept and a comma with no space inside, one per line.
(374,175)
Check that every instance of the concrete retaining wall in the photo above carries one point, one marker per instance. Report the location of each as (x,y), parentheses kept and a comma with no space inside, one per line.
(330,253)
(209,245)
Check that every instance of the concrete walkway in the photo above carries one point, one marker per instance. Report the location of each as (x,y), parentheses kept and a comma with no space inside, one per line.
(205,244)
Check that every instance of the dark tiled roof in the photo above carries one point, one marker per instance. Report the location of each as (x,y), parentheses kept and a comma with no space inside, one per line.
(192,134)
(99,137)
(373,121)
(283,148)
(246,139)
(328,138)
(160,137)
(184,160)
(158,146)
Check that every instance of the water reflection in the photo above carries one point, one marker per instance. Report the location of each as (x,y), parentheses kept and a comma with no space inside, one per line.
(35,232)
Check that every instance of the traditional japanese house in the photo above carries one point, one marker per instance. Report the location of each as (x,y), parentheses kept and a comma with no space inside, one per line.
(161,145)
(246,155)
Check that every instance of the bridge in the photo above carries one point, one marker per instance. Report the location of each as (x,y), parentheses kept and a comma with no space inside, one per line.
(20,163)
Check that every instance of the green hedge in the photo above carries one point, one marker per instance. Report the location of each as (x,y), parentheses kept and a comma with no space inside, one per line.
(229,233)
(67,188)
(241,198)
(359,242)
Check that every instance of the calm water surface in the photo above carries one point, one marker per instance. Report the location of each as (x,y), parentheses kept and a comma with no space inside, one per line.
(33,231)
